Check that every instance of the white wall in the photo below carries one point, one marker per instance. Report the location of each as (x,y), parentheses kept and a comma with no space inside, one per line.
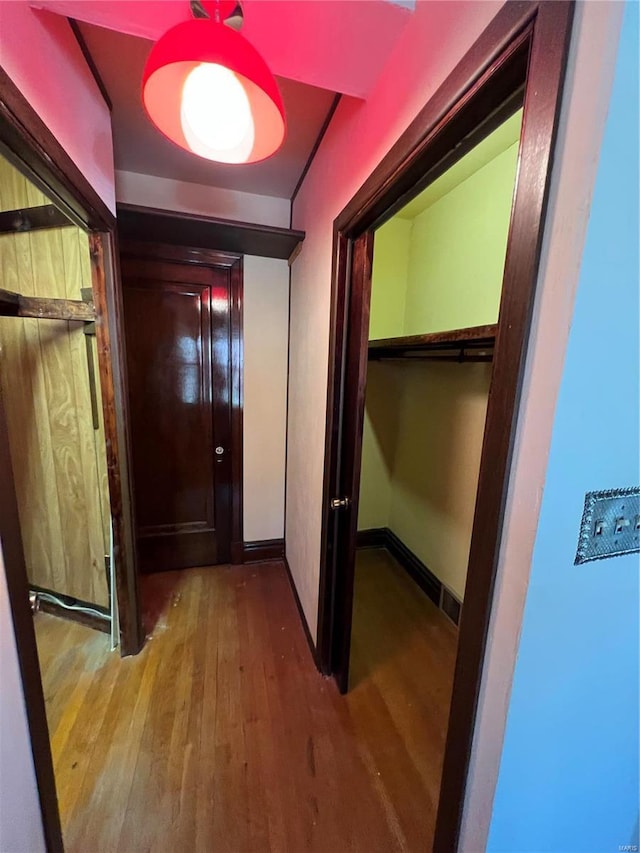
(20,820)
(358,137)
(41,55)
(185,197)
(266,338)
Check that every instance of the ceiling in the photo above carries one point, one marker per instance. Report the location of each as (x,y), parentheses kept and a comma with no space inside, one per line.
(316,48)
(139,147)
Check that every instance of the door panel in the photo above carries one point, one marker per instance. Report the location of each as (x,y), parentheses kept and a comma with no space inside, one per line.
(179,404)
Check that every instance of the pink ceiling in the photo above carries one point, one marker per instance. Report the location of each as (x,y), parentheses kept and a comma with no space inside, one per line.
(316,48)
(139,147)
(339,45)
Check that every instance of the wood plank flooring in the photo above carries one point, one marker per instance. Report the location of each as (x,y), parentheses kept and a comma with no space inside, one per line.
(222,736)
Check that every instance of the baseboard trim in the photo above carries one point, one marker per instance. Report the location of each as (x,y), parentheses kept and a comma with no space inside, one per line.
(433,588)
(263,551)
(303,618)
(422,575)
(99,620)
(376,537)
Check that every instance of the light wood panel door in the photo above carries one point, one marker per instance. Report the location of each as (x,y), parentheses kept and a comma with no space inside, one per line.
(58,457)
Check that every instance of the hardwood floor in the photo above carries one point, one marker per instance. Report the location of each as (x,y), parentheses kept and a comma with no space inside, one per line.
(403,653)
(222,736)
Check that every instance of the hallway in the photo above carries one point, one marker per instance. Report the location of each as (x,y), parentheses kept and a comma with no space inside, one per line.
(221,735)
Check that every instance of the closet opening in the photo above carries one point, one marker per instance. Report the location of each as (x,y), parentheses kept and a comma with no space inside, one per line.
(52,396)
(435,292)
(435,264)
(67,549)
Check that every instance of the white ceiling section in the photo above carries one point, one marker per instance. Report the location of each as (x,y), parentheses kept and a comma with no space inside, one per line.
(316,48)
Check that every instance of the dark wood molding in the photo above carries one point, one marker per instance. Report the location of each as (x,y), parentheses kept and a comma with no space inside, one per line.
(237,553)
(93,68)
(295,254)
(236,319)
(316,145)
(149,224)
(29,144)
(286,411)
(17,305)
(179,253)
(461,110)
(303,618)
(113,384)
(18,592)
(372,537)
(32,219)
(519,58)
(421,574)
(99,618)
(451,606)
(263,550)
(430,584)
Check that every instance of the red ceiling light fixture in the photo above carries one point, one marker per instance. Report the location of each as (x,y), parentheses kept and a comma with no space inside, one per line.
(209,91)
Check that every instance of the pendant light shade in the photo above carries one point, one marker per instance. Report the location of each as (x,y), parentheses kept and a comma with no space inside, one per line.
(209,91)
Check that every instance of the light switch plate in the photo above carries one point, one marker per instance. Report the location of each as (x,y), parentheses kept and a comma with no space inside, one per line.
(610,524)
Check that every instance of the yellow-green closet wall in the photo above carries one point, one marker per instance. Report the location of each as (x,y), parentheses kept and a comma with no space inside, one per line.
(424,422)
(458,246)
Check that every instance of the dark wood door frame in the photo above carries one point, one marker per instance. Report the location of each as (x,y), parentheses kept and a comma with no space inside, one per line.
(520,58)
(29,144)
(234,263)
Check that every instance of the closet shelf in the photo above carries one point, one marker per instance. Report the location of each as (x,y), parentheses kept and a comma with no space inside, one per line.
(472,344)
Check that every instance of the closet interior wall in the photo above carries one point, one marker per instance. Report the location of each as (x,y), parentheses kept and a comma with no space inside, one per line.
(56,439)
(437,266)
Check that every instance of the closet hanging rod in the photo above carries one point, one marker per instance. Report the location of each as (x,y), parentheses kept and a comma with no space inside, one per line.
(461,357)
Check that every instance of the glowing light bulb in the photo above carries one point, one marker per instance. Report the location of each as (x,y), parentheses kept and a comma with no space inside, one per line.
(215,112)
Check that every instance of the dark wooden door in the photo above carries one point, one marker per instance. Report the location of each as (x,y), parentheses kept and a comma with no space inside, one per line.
(178,354)
(345,520)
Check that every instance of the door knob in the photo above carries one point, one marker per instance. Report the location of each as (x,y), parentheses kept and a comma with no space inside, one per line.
(340,503)
(219,450)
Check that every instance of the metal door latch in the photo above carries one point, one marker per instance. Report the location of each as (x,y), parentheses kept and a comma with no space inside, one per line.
(340,503)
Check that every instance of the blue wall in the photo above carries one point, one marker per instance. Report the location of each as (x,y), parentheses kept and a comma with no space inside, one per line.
(569,774)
